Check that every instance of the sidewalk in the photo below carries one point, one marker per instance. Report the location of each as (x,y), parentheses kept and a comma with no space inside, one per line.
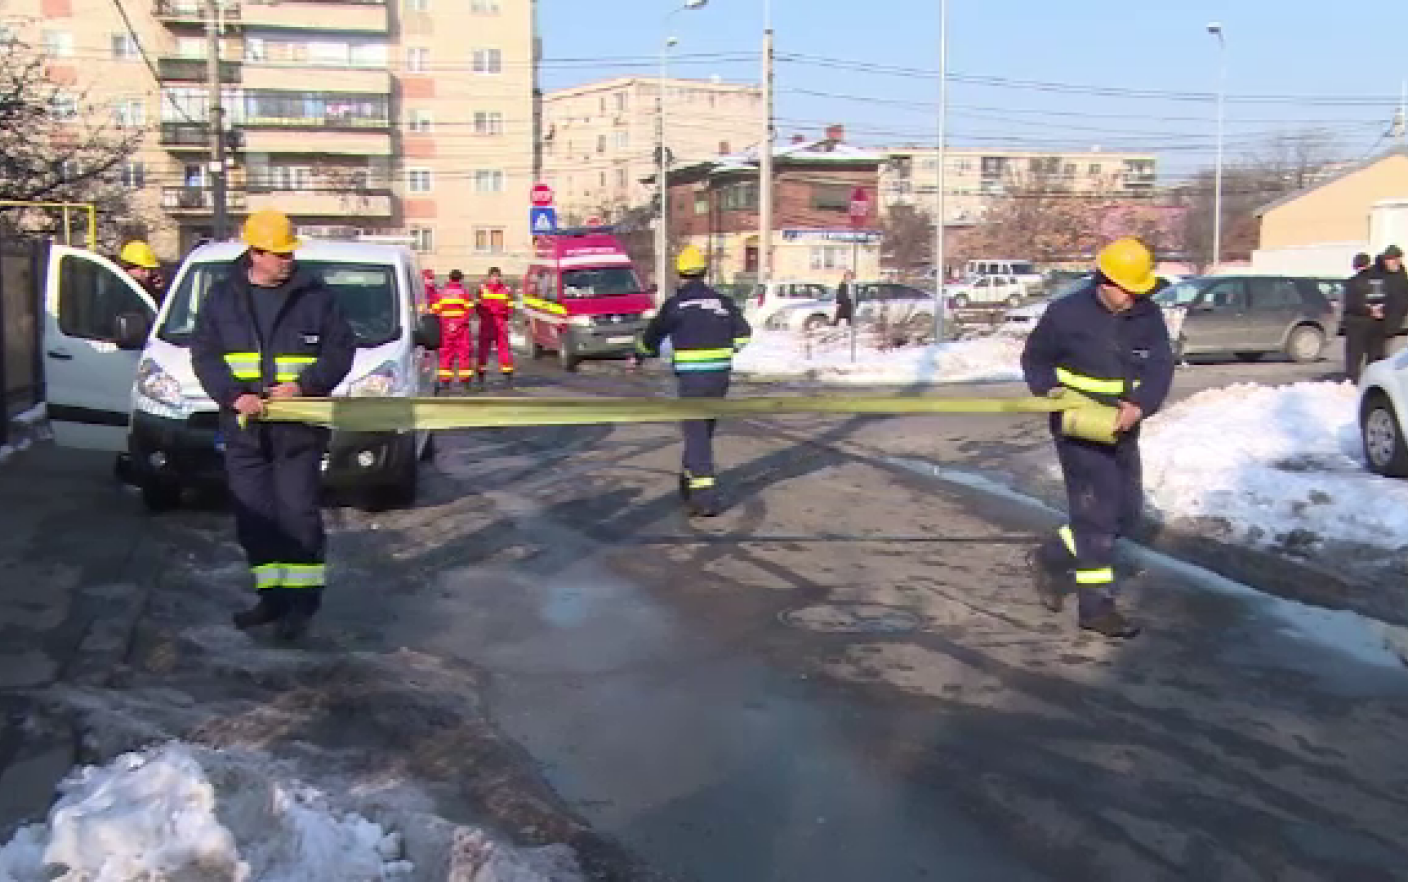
(76,562)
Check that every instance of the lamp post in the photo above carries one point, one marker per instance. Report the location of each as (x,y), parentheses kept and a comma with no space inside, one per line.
(1215,28)
(662,171)
(940,206)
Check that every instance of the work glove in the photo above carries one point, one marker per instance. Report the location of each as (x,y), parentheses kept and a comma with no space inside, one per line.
(1058,392)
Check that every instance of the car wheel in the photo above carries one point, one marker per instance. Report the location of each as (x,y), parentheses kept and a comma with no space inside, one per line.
(1382,434)
(1250,356)
(1305,344)
(960,302)
(1014,301)
(160,497)
(815,323)
(566,357)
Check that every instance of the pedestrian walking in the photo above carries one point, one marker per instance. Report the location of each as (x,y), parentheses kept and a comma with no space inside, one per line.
(1392,281)
(1363,318)
(1106,341)
(272,330)
(456,356)
(705,329)
(845,299)
(495,310)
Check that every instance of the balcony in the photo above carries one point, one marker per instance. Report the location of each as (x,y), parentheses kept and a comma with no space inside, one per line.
(367,202)
(352,16)
(331,141)
(192,70)
(192,12)
(198,200)
(330,81)
(185,136)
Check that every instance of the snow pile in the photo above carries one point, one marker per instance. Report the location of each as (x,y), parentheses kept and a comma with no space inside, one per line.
(178,812)
(1277,464)
(786,354)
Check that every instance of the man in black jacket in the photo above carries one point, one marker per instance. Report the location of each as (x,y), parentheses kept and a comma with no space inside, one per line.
(1393,283)
(274,331)
(705,329)
(845,299)
(1363,319)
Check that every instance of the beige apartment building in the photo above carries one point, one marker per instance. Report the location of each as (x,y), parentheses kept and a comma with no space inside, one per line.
(599,139)
(972,179)
(413,120)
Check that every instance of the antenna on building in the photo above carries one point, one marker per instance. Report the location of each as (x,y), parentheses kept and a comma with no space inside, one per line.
(1400,119)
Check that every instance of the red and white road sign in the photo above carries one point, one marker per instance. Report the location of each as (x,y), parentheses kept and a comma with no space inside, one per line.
(541,195)
(860,206)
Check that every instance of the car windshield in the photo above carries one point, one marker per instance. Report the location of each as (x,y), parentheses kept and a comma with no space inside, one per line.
(1023,269)
(1182,294)
(606,281)
(366,292)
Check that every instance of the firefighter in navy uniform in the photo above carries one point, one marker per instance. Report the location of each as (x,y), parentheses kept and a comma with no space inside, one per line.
(273,330)
(1107,341)
(705,329)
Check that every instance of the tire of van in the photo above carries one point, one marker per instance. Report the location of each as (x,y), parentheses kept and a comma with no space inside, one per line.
(402,493)
(566,356)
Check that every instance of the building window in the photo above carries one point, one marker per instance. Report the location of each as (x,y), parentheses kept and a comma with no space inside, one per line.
(133,175)
(190,47)
(742,196)
(422,240)
(58,44)
(622,100)
(417,5)
(489,180)
(63,105)
(831,197)
(1095,168)
(418,180)
(701,203)
(417,59)
(600,143)
(623,141)
(621,180)
(831,257)
(488,123)
(420,122)
(484,7)
(373,55)
(489,240)
(130,113)
(124,46)
(487,61)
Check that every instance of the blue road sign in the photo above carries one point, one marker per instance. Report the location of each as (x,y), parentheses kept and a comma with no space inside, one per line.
(542,220)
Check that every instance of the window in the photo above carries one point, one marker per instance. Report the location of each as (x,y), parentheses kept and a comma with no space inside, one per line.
(63,105)
(600,143)
(133,175)
(489,181)
(1095,169)
(488,123)
(489,240)
(91,298)
(418,180)
(422,239)
(742,197)
(255,49)
(420,122)
(621,179)
(368,55)
(130,113)
(487,61)
(994,166)
(1275,294)
(826,257)
(58,44)
(124,46)
(417,5)
(193,174)
(701,203)
(831,197)
(623,141)
(484,7)
(1226,296)
(417,59)
(190,47)
(622,100)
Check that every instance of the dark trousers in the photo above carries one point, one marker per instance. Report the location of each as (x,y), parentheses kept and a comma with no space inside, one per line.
(275,478)
(698,460)
(1105,497)
(1364,344)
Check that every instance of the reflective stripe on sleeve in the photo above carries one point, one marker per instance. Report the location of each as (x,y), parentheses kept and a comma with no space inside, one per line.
(1093,385)
(1100,576)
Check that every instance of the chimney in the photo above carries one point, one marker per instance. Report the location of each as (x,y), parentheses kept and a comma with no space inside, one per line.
(799,139)
(723,148)
(836,133)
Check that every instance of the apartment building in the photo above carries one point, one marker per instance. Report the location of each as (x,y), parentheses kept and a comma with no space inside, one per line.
(972,179)
(413,121)
(599,139)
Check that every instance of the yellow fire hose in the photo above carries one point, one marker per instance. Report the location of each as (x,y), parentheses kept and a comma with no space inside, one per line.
(1081,417)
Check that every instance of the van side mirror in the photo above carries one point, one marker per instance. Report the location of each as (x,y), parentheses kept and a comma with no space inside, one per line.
(427,334)
(132,329)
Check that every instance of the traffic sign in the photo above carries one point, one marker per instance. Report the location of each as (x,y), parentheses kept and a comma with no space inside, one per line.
(541,195)
(860,206)
(542,220)
(593,221)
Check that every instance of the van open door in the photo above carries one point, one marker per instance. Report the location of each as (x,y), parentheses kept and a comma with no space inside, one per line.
(96,320)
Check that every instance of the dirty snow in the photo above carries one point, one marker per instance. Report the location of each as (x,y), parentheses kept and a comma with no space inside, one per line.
(179,811)
(784,354)
(1270,461)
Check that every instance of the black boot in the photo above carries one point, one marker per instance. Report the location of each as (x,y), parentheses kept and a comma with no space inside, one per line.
(1052,584)
(271,608)
(704,503)
(684,488)
(303,606)
(1111,624)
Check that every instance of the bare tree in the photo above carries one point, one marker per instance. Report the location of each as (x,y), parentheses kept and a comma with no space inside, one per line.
(908,238)
(1040,217)
(55,147)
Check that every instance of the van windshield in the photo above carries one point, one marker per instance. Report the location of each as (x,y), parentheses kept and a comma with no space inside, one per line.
(365,291)
(605,281)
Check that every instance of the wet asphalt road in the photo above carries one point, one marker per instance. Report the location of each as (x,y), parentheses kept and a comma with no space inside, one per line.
(844,677)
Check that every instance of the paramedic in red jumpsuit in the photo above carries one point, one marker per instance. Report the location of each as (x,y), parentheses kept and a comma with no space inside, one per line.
(456,348)
(495,308)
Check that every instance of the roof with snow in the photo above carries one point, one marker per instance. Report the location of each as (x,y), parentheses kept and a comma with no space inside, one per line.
(1333,179)
(822,151)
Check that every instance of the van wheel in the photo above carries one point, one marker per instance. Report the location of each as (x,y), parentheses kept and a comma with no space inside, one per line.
(400,494)
(1382,434)
(1014,301)
(566,357)
(1305,344)
(160,498)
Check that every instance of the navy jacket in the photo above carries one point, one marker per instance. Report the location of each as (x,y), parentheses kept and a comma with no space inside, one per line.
(1082,345)
(311,342)
(705,328)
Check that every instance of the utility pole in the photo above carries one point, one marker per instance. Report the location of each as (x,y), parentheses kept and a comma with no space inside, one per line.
(940,161)
(662,176)
(219,208)
(1215,28)
(765,155)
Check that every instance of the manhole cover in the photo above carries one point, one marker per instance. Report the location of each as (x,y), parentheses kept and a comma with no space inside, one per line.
(857,618)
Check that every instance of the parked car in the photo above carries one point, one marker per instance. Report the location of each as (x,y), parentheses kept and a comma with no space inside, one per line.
(765,300)
(1249,316)
(1024,270)
(1023,319)
(987,290)
(1383,403)
(908,310)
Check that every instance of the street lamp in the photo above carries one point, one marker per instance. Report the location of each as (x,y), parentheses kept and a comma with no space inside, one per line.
(940,159)
(1215,28)
(662,225)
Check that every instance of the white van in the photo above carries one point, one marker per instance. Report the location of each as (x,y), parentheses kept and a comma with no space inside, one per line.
(1024,270)
(119,377)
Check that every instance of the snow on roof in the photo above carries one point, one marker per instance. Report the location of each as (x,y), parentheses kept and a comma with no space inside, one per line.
(821,151)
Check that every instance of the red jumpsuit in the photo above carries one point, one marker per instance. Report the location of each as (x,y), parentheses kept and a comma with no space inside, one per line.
(495,308)
(456,350)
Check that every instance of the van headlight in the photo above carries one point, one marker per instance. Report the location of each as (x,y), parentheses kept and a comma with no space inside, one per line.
(380,383)
(648,314)
(580,321)
(155,383)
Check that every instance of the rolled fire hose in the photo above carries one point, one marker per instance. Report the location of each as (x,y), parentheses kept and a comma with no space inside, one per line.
(1081,417)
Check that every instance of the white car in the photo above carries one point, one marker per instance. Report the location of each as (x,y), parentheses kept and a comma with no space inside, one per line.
(909,311)
(987,290)
(766,300)
(1383,404)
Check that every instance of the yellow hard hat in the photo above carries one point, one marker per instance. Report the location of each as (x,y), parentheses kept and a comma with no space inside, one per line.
(270,230)
(691,262)
(1130,264)
(139,253)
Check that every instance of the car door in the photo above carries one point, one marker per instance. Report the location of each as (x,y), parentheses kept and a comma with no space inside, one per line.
(87,378)
(1217,322)
(1275,306)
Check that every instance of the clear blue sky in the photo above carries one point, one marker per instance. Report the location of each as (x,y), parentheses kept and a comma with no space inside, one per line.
(1351,57)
